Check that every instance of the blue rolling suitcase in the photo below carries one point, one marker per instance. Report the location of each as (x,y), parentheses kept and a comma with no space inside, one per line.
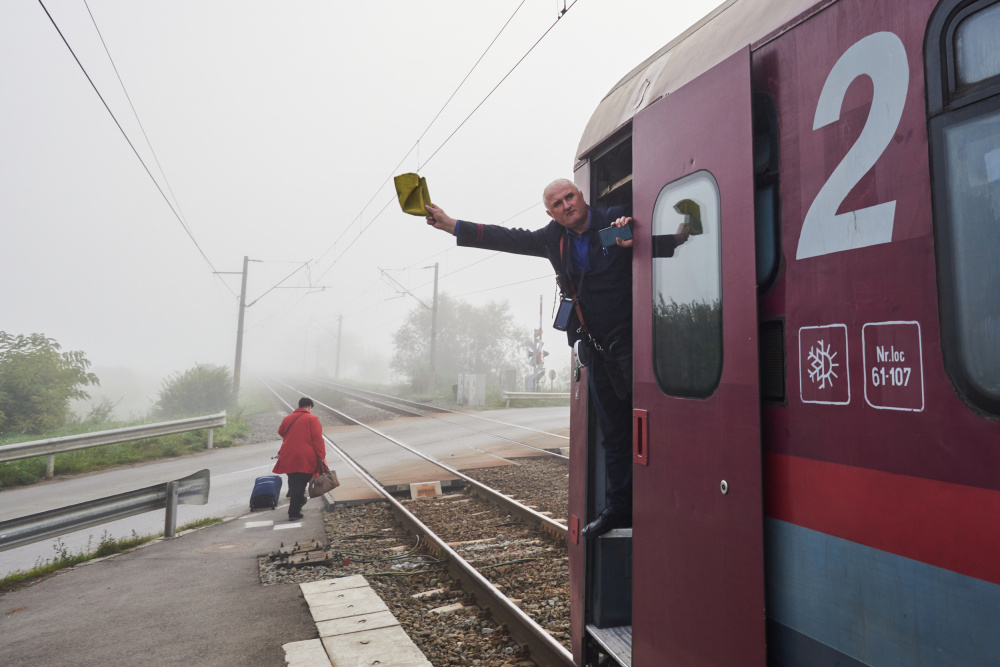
(266,491)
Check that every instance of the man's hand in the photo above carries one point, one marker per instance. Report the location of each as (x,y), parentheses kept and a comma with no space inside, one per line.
(439,219)
(683,231)
(621,222)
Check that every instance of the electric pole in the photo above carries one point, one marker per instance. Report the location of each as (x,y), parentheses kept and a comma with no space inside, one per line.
(434,316)
(340,328)
(239,331)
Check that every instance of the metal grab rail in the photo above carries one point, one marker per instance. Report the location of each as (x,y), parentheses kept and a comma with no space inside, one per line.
(52,446)
(190,490)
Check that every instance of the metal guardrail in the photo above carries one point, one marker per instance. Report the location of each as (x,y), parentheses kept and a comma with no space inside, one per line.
(52,446)
(191,490)
(511,395)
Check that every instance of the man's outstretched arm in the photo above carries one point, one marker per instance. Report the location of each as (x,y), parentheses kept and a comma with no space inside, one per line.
(490,237)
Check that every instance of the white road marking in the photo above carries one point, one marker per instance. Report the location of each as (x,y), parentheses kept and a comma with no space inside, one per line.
(237,472)
(257,524)
(283,526)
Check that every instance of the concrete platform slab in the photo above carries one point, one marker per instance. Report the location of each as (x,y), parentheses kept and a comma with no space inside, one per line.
(313,588)
(308,653)
(385,646)
(344,626)
(346,603)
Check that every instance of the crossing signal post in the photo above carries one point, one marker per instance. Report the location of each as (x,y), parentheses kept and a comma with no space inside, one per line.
(536,358)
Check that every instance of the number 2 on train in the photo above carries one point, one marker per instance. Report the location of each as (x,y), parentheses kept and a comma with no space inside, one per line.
(882,57)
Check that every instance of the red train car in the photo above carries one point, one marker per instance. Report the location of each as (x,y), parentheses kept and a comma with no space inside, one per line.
(817,373)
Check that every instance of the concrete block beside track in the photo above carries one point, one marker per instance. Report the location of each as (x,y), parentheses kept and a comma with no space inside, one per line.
(356,627)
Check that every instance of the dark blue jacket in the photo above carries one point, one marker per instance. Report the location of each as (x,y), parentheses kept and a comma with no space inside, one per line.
(605,291)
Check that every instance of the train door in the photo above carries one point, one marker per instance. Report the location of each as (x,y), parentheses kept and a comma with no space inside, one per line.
(698,561)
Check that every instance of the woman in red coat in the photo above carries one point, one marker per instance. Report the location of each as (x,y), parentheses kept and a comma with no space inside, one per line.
(300,454)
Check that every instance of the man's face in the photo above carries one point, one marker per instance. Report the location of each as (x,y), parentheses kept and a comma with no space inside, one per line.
(567,207)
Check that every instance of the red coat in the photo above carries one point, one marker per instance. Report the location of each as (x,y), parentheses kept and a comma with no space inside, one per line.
(303,443)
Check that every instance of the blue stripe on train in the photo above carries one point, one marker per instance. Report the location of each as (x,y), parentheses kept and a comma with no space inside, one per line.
(878,608)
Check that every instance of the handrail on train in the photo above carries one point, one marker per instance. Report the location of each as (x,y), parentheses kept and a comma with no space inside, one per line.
(190,490)
(52,446)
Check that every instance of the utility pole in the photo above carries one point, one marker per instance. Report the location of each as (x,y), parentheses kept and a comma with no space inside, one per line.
(434,317)
(239,331)
(340,328)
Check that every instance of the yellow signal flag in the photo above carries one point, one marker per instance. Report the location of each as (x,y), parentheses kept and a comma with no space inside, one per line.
(412,192)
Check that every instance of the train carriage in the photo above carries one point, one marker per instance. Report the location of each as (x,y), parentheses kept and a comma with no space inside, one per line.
(817,371)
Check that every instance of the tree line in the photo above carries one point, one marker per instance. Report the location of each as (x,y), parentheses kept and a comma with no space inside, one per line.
(39,381)
(469,339)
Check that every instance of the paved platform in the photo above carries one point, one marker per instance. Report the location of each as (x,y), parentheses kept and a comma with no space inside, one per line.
(193,600)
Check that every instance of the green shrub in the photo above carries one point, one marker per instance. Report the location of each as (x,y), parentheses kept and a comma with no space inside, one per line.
(37,383)
(202,390)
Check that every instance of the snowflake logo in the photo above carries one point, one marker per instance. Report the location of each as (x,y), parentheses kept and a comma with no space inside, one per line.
(821,365)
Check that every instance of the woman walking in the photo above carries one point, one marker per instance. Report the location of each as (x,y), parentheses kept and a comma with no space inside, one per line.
(300,455)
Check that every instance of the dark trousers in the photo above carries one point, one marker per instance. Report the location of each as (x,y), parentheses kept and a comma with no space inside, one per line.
(297,482)
(614,417)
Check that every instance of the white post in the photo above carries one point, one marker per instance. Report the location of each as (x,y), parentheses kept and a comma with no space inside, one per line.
(211,438)
(50,466)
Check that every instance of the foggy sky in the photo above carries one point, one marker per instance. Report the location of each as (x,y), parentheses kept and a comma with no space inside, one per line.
(276,123)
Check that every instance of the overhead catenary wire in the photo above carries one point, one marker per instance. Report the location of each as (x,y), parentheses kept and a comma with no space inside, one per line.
(135,113)
(416,145)
(131,145)
(392,197)
(447,139)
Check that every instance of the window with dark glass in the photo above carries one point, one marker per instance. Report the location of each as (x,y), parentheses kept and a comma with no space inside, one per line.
(963,87)
(765,182)
(687,288)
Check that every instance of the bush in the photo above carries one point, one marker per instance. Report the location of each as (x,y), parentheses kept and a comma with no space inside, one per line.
(202,390)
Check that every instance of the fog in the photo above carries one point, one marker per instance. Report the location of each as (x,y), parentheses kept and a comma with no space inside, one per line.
(277,126)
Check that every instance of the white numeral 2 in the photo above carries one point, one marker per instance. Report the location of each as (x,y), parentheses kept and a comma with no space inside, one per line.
(882,57)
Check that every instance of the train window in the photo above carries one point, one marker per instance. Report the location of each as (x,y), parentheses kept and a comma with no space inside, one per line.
(765,178)
(612,175)
(965,159)
(977,51)
(687,288)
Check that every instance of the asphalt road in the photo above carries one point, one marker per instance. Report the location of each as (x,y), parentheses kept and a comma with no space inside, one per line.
(234,469)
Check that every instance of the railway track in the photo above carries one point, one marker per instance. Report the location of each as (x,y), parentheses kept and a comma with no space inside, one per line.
(387,399)
(489,541)
(408,408)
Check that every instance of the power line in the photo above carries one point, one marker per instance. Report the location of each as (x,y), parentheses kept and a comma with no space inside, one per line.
(426,129)
(478,106)
(448,138)
(131,145)
(511,71)
(519,282)
(134,112)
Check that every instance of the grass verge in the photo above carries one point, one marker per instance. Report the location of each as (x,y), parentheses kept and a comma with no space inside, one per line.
(105,547)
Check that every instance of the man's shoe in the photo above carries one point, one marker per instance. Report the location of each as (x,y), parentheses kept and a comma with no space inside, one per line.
(609,519)
(294,517)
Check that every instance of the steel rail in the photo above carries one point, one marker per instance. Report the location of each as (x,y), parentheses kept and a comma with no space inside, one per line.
(68,443)
(544,648)
(191,490)
(522,511)
(425,406)
(410,413)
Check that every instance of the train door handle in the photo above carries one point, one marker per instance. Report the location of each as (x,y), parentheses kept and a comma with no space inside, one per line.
(640,437)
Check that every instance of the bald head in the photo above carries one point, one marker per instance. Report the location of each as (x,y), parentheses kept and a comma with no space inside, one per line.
(559,182)
(565,204)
